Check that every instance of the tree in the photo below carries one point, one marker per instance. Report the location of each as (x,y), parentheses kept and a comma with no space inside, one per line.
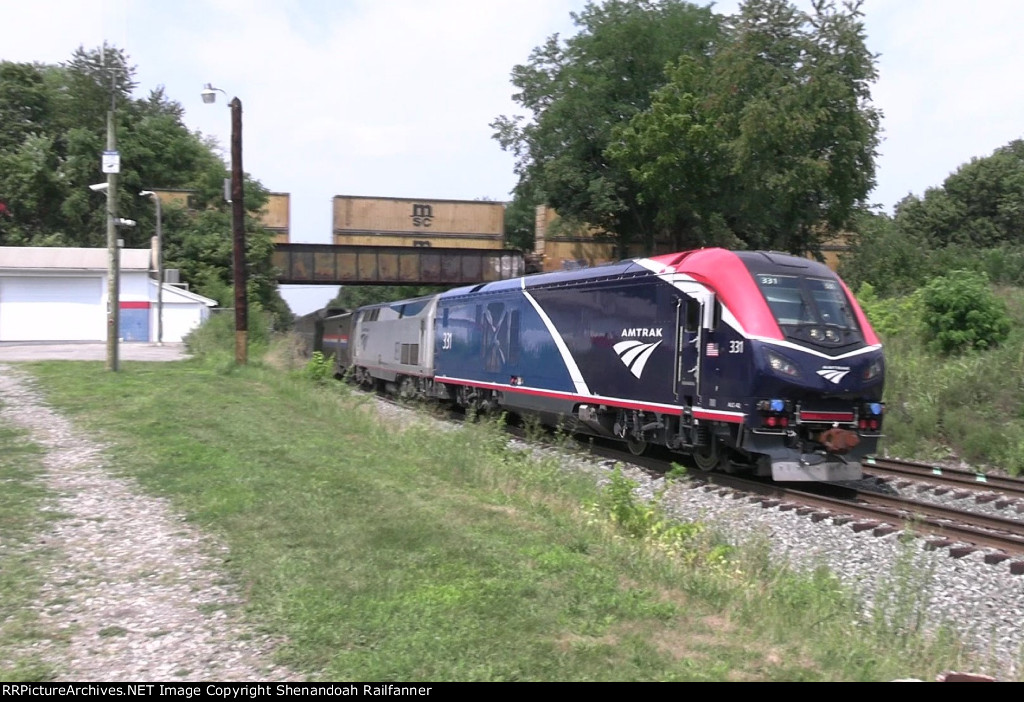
(768,143)
(882,256)
(677,153)
(25,102)
(981,205)
(521,218)
(579,90)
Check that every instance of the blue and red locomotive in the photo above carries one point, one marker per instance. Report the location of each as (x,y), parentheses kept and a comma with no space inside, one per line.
(745,360)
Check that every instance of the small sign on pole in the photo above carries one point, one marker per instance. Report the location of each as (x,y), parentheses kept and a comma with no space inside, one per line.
(111,162)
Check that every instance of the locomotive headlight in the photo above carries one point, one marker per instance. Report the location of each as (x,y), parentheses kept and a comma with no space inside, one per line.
(817,334)
(780,364)
(873,370)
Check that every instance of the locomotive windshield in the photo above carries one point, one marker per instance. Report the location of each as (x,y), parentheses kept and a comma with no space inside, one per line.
(813,309)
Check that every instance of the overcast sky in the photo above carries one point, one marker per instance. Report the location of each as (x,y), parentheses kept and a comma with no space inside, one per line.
(393,98)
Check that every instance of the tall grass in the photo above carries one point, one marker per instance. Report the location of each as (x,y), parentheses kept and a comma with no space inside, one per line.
(968,407)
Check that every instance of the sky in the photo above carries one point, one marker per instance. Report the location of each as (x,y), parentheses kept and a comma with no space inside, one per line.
(393,98)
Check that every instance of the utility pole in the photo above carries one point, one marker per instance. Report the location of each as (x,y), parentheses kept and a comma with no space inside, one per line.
(237,224)
(113,251)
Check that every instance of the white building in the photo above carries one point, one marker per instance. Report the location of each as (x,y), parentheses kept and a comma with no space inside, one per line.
(60,294)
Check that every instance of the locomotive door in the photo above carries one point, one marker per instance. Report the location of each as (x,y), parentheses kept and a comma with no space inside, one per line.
(688,345)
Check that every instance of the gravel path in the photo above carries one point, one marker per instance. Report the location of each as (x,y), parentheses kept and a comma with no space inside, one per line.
(135,591)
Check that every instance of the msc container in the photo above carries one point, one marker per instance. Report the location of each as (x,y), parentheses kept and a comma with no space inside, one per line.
(562,246)
(275,216)
(378,221)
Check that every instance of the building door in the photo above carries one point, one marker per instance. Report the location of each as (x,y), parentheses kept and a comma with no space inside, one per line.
(133,323)
(52,308)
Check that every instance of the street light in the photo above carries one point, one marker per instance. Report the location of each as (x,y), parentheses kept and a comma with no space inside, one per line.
(159,267)
(237,222)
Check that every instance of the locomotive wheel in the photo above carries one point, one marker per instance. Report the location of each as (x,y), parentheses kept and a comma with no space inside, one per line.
(707,457)
(636,446)
(407,389)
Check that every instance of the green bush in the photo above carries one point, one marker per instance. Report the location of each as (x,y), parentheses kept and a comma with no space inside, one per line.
(960,313)
(216,336)
(890,316)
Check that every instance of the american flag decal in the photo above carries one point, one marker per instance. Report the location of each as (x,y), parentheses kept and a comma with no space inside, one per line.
(712,350)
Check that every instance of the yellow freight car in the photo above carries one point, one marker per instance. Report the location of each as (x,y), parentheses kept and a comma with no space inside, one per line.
(275,216)
(561,246)
(389,221)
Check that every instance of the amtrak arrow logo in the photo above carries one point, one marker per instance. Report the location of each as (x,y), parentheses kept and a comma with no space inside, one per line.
(834,375)
(634,354)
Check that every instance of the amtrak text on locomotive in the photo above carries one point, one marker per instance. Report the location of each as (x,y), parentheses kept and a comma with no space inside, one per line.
(644,332)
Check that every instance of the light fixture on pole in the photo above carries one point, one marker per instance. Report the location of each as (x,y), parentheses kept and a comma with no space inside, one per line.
(159,267)
(209,95)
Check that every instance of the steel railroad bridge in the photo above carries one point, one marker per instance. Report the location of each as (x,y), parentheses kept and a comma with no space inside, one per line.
(330,264)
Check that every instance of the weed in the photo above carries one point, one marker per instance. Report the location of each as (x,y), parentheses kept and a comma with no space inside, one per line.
(319,369)
(677,472)
(900,608)
(646,520)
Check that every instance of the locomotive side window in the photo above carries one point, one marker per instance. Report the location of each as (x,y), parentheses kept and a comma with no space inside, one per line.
(692,315)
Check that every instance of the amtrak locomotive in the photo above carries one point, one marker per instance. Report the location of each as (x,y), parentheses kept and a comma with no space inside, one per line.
(745,360)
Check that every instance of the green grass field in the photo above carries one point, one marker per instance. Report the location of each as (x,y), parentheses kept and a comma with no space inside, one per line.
(382,551)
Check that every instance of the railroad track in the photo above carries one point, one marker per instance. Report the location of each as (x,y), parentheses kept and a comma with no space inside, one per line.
(887,468)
